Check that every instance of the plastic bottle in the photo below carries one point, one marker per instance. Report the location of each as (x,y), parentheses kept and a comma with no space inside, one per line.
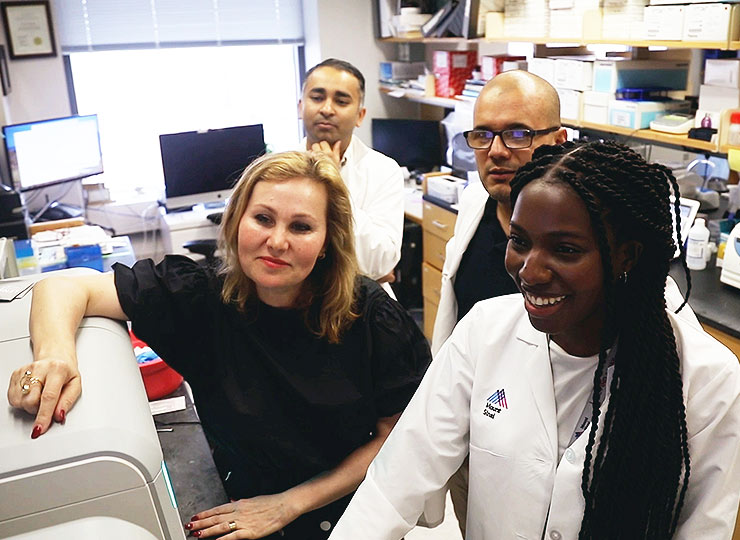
(733,133)
(706,122)
(696,247)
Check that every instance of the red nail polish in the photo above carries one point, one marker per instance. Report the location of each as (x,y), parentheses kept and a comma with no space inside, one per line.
(62,416)
(36,432)
(196,534)
(194,518)
(189,526)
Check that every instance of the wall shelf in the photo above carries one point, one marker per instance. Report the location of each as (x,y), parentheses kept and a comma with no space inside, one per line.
(723,45)
(649,135)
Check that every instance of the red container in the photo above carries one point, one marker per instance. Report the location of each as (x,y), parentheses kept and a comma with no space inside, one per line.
(159,378)
(451,70)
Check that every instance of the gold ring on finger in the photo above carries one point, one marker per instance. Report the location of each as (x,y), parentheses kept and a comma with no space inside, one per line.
(232,526)
(27,382)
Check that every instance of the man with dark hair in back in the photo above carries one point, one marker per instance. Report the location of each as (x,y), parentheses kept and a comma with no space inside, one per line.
(331,107)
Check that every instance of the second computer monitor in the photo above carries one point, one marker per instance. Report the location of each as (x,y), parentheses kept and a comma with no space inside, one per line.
(203,166)
(414,144)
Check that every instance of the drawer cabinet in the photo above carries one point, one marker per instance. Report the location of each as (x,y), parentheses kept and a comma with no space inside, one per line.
(438,227)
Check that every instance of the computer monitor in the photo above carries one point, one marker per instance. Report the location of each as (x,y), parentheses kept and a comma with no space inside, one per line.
(414,144)
(52,151)
(203,166)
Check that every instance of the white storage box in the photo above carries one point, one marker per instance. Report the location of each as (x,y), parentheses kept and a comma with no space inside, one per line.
(706,22)
(664,22)
(722,72)
(571,104)
(574,74)
(639,114)
(611,75)
(596,106)
(718,98)
(446,188)
(543,67)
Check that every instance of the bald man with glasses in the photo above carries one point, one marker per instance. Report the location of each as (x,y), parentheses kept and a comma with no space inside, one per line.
(515,113)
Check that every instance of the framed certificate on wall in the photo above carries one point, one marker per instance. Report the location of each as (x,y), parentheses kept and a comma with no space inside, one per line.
(28,29)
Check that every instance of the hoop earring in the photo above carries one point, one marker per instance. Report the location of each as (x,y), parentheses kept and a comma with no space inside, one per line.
(622,279)
(322,255)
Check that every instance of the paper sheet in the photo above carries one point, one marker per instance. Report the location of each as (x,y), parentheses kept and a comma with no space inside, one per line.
(167,405)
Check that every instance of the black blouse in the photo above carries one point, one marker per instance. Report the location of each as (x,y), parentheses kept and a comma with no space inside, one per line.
(278,404)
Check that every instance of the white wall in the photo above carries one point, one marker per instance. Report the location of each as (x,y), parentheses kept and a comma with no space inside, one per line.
(344,29)
(39,87)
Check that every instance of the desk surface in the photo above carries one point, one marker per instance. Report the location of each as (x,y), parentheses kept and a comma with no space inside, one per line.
(195,479)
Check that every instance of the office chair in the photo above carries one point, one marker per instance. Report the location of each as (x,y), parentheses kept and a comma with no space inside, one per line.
(207,246)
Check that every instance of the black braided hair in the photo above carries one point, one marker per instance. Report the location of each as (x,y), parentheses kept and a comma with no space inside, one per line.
(635,484)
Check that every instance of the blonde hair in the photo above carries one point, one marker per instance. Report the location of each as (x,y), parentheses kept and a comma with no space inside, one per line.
(327,295)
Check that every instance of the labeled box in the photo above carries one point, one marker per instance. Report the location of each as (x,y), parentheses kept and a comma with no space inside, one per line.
(664,22)
(639,114)
(706,22)
(451,70)
(574,73)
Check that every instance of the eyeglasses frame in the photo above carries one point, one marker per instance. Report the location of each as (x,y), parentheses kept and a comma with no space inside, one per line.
(499,133)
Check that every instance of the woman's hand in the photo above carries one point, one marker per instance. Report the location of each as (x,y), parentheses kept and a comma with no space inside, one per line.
(246,518)
(46,388)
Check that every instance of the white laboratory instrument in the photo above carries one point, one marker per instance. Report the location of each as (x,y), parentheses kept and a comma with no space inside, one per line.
(101,474)
(731,263)
(676,123)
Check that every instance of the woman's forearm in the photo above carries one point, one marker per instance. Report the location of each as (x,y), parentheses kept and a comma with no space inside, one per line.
(344,478)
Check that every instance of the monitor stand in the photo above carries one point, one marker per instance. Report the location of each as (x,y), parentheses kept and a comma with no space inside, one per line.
(55,210)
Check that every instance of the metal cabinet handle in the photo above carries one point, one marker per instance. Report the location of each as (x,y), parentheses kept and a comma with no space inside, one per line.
(439,224)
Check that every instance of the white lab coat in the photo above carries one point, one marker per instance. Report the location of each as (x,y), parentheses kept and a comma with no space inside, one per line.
(515,477)
(375,184)
(469,213)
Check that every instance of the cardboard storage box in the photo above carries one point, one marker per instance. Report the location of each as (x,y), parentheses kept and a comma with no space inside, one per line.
(451,70)
(611,75)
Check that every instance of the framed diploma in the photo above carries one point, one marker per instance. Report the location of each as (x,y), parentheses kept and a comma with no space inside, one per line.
(28,29)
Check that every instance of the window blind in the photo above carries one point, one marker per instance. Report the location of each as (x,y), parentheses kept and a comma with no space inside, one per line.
(88,25)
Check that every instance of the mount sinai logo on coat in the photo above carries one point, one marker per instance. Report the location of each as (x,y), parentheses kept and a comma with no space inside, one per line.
(495,403)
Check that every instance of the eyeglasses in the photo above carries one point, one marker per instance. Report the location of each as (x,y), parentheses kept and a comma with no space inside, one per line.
(513,139)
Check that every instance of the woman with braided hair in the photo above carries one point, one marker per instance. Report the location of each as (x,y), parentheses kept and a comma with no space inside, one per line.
(589,410)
